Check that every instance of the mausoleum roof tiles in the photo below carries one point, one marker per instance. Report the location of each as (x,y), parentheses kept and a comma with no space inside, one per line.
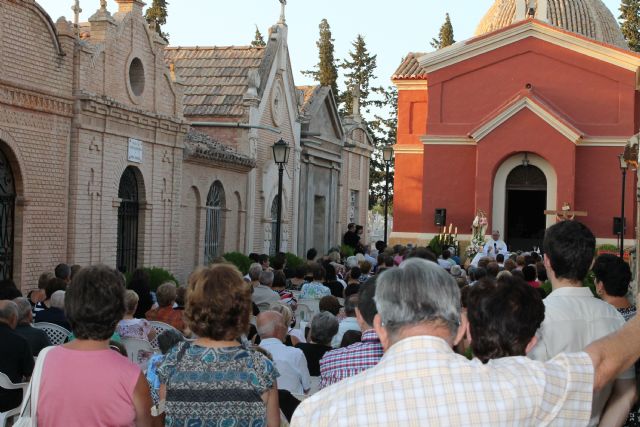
(410,68)
(201,146)
(215,79)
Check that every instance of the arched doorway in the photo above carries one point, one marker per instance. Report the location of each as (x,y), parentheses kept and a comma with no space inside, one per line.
(128,219)
(7,217)
(214,229)
(526,200)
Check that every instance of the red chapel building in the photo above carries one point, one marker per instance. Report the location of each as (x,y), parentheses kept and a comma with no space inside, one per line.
(529,115)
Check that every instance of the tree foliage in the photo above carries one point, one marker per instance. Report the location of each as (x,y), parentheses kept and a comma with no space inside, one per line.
(630,23)
(359,72)
(157,15)
(445,37)
(326,71)
(258,39)
(384,128)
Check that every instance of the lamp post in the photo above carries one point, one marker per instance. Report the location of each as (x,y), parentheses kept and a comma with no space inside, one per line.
(281,156)
(387,156)
(623,167)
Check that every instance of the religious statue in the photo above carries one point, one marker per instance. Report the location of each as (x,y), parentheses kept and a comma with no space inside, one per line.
(479,229)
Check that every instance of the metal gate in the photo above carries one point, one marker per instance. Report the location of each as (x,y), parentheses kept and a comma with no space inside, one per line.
(7,218)
(214,225)
(128,216)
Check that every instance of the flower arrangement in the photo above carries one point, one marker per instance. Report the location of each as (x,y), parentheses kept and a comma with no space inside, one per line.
(445,240)
(479,227)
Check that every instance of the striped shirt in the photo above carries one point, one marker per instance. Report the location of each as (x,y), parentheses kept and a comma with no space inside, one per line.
(346,362)
(420,381)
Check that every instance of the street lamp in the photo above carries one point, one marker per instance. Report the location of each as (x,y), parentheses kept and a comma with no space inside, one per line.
(387,156)
(623,167)
(281,156)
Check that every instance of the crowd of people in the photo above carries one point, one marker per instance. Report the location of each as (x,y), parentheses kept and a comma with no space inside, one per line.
(401,336)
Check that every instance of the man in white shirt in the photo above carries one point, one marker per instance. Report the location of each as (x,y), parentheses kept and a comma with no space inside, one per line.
(574,318)
(290,361)
(495,246)
(349,323)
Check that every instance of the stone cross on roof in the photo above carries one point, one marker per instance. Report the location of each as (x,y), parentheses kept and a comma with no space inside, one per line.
(76,12)
(283,4)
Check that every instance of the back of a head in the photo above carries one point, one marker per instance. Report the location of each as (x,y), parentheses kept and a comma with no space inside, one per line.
(166,294)
(350,304)
(279,279)
(168,339)
(419,252)
(57,300)
(329,272)
(270,324)
(8,312)
(446,254)
(388,261)
(8,290)
(350,337)
(365,267)
(418,291)
(324,326)
(493,269)
(254,257)
(355,273)
(140,281)
(520,261)
(279,261)
(44,279)
(130,301)
(351,262)
(366,300)
(503,318)
(94,302)
(54,285)
(500,258)
(478,273)
(254,271)
(484,261)
(218,303)
(570,247)
(329,303)
(63,271)
(312,254)
(284,309)
(24,309)
(301,271)
(614,273)
(529,273)
(381,246)
(266,278)
(318,272)
(509,265)
(263,258)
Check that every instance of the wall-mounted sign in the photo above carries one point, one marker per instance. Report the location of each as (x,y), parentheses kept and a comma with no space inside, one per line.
(135,150)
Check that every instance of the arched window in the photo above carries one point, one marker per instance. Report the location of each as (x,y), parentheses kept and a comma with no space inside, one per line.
(7,216)
(274,226)
(213,233)
(128,217)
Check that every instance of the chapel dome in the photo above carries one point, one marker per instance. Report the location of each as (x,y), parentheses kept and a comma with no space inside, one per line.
(590,18)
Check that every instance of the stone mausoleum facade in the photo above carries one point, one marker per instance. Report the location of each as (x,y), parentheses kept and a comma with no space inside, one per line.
(113,151)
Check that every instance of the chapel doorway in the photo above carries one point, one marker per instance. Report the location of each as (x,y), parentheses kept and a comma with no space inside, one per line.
(526,200)
(7,218)
(128,219)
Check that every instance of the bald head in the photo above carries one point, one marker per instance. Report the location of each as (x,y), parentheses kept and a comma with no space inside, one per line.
(9,313)
(270,324)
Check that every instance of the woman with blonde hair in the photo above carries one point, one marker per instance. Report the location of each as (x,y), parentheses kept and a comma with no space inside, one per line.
(214,380)
(129,326)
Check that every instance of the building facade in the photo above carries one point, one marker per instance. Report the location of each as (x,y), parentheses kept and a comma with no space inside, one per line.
(529,115)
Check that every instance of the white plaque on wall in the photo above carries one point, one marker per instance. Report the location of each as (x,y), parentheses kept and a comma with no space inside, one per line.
(135,150)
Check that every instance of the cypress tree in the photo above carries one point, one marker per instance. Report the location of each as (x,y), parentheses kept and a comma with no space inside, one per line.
(445,37)
(326,72)
(630,23)
(157,14)
(383,130)
(258,40)
(359,71)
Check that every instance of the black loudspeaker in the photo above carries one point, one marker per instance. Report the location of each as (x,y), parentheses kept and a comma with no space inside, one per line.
(440,217)
(617,229)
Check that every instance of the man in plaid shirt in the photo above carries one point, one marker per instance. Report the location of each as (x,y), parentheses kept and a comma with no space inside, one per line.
(346,362)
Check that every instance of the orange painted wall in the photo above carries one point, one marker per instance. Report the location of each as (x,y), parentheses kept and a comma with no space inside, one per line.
(599,188)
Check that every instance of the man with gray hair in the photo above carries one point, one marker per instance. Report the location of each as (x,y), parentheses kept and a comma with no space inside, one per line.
(421,381)
(37,338)
(16,361)
(290,361)
(324,326)
(261,280)
(55,313)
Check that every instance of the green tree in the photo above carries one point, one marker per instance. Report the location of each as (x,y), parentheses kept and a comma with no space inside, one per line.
(157,16)
(630,23)
(258,40)
(384,130)
(445,37)
(326,71)
(359,72)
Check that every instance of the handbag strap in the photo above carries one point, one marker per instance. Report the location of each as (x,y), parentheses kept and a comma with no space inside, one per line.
(30,398)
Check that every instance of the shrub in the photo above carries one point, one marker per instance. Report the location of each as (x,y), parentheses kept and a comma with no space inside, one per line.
(293,261)
(157,276)
(240,260)
(346,251)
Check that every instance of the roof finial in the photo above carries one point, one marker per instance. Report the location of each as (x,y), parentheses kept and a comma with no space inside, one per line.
(103,5)
(355,95)
(531,9)
(76,14)
(283,4)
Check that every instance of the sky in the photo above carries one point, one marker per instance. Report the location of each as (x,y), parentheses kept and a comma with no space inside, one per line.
(391,28)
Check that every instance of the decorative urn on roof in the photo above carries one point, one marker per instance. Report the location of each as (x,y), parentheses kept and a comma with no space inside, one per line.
(590,18)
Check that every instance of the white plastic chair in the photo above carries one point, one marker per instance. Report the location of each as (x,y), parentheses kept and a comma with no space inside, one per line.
(138,351)
(160,327)
(303,314)
(56,333)
(6,384)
